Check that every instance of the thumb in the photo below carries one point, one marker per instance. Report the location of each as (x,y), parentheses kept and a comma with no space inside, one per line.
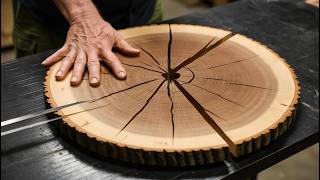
(126,48)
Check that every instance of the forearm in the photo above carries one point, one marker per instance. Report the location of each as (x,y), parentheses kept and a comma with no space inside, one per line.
(75,10)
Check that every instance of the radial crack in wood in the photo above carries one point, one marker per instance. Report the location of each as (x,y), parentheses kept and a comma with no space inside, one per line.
(154,59)
(137,66)
(203,51)
(171,109)
(233,148)
(143,107)
(170,72)
(216,94)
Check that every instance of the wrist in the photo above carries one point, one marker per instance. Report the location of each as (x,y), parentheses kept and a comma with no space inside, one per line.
(85,16)
(75,10)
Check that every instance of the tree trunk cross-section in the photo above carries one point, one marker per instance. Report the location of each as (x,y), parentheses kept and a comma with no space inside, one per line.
(193,96)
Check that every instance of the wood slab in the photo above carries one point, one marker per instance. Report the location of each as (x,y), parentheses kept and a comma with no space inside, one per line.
(194,95)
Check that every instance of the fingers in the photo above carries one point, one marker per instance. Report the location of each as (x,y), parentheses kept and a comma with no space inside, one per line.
(126,48)
(93,65)
(78,68)
(114,63)
(58,55)
(66,64)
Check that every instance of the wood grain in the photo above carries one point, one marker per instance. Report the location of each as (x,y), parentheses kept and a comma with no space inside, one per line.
(194,95)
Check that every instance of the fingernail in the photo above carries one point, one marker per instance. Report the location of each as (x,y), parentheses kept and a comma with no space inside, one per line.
(59,73)
(43,63)
(74,79)
(121,75)
(94,80)
(137,50)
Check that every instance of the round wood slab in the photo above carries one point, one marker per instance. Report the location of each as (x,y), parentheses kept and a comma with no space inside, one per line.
(192,96)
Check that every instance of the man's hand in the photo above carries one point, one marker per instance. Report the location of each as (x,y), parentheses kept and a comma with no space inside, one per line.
(89,40)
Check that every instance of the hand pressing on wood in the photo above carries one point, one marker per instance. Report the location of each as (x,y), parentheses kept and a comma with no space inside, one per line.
(89,40)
